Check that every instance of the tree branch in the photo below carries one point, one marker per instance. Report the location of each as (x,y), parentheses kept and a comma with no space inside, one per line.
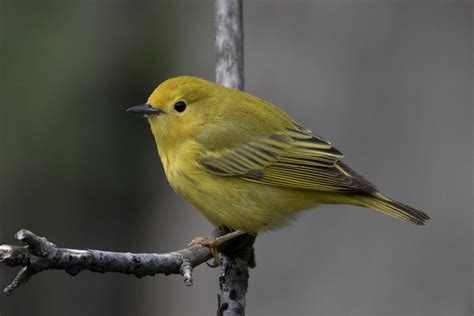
(233,281)
(229,44)
(236,259)
(39,254)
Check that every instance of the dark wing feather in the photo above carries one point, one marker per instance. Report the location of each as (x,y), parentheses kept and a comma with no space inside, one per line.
(293,158)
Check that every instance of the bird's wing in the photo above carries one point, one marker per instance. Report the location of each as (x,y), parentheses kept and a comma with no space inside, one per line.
(293,158)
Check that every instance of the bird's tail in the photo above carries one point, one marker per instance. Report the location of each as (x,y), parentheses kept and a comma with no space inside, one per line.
(393,208)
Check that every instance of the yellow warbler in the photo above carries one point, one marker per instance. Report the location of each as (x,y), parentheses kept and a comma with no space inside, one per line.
(245,164)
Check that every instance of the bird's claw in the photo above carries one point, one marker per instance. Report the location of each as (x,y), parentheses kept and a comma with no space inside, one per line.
(212,244)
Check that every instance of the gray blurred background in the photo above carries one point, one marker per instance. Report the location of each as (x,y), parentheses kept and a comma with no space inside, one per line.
(389,82)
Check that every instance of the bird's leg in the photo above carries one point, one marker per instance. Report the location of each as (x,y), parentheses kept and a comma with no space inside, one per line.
(213,243)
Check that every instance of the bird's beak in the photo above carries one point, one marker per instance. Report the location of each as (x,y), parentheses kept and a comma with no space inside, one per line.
(144,109)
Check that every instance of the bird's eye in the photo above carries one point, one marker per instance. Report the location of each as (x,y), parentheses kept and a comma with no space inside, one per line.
(180,106)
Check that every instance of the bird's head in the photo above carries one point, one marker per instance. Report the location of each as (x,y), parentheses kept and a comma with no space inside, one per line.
(189,108)
(179,109)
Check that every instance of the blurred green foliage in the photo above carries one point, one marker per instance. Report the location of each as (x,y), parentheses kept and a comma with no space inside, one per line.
(67,76)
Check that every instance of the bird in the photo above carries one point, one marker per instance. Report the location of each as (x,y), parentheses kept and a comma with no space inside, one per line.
(245,164)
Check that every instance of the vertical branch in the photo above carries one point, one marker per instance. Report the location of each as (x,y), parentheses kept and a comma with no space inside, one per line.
(239,256)
(229,44)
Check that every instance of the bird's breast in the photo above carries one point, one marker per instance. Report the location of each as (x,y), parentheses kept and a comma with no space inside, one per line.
(181,166)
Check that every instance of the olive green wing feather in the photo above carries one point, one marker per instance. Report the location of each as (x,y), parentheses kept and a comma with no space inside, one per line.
(293,158)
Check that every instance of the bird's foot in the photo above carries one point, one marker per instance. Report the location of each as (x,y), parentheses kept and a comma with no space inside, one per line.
(213,243)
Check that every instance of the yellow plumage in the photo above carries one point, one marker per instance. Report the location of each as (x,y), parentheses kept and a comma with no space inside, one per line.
(246,164)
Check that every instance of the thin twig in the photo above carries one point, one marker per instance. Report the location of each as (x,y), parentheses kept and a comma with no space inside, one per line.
(38,254)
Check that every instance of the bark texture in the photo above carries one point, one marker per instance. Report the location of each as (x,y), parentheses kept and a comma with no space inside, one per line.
(229,44)
(38,254)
